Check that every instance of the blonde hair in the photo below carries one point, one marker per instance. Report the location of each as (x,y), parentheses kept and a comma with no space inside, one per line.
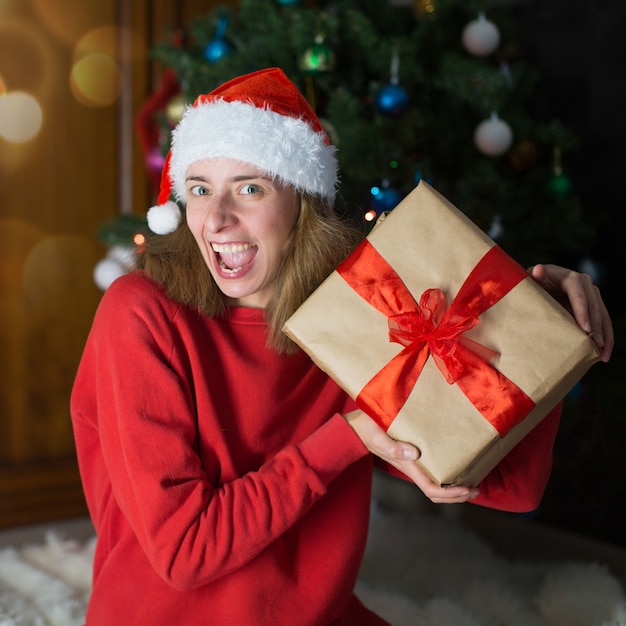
(321,240)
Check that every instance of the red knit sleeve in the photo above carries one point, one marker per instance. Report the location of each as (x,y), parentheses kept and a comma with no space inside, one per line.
(136,439)
(518,482)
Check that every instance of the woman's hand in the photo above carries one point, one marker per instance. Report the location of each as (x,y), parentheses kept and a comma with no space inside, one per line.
(402,456)
(577,292)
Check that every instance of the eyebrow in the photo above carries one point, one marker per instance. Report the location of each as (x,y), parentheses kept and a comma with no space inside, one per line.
(235,179)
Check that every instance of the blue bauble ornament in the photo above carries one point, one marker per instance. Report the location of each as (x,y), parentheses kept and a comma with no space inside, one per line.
(392,100)
(384,198)
(576,392)
(288,2)
(595,269)
(219,47)
(216,49)
(419,175)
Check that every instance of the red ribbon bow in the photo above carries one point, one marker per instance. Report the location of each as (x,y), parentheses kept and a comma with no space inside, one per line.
(428,328)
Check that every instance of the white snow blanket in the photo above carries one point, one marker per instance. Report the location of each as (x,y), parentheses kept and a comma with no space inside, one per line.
(420,569)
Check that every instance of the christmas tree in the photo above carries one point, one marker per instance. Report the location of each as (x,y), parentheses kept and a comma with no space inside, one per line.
(402,87)
(431,89)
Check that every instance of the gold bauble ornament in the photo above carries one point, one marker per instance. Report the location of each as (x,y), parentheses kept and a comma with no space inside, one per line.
(523,155)
(425,9)
(175,109)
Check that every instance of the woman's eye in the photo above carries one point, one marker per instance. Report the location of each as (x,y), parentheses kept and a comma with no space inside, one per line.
(250,189)
(199,190)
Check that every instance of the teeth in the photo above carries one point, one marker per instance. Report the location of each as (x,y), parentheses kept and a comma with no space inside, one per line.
(229,270)
(231,248)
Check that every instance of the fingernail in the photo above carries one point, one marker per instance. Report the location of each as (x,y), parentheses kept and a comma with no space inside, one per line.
(409,453)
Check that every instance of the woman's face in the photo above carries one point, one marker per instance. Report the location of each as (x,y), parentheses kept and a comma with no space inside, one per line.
(242,221)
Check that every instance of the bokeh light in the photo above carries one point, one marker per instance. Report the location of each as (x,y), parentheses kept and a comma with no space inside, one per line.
(17,239)
(96,80)
(122,44)
(21,117)
(105,40)
(68,21)
(56,269)
(25,59)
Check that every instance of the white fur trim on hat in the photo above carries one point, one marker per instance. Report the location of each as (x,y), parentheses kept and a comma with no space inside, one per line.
(280,145)
(165,218)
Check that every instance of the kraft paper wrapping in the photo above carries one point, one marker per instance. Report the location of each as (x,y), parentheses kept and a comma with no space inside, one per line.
(431,244)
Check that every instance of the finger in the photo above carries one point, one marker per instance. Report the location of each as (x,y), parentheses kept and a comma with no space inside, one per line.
(448,495)
(539,273)
(397,452)
(571,288)
(592,315)
(553,279)
(609,338)
(433,491)
(594,310)
(378,442)
(602,328)
(584,300)
(385,447)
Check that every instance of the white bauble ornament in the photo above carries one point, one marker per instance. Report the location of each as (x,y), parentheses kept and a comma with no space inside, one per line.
(493,136)
(119,260)
(481,37)
(124,255)
(106,271)
(496,230)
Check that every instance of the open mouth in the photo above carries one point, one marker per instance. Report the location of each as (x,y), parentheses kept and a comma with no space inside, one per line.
(234,257)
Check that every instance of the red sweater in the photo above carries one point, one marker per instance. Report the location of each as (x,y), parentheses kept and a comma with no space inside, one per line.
(224,485)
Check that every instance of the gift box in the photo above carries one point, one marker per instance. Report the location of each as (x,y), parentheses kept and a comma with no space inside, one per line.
(442,338)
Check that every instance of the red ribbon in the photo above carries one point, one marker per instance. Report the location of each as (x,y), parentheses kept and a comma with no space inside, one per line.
(428,328)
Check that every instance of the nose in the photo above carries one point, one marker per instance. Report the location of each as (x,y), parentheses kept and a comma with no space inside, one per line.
(219,214)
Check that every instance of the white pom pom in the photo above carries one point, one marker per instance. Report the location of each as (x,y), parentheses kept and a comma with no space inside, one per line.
(481,37)
(493,136)
(164,218)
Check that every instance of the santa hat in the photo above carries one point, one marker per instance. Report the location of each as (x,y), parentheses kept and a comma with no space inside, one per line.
(259,118)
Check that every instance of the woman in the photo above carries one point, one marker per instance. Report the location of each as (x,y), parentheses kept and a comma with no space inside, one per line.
(228,478)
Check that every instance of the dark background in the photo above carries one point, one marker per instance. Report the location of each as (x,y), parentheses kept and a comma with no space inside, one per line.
(579,48)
